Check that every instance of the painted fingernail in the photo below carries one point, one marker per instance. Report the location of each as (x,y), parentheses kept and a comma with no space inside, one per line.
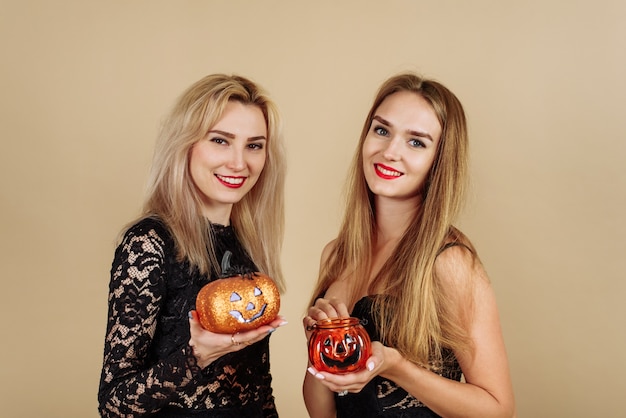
(314,373)
(283,323)
(370,366)
(190,315)
(271,330)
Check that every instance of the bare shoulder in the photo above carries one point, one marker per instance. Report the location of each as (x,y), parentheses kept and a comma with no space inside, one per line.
(328,250)
(458,266)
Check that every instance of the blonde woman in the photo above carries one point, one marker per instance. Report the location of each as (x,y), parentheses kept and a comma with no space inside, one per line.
(400,265)
(216,185)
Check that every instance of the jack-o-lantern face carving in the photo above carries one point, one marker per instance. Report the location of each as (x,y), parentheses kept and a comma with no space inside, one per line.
(339,345)
(238,303)
(251,312)
(339,351)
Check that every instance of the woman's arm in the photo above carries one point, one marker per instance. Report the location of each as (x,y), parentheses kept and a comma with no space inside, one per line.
(319,399)
(487,391)
(269,406)
(130,385)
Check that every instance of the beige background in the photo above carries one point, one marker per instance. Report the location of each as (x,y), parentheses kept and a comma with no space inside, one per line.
(83,86)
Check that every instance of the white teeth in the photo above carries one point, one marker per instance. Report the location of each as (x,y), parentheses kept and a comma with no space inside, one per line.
(231,180)
(388,172)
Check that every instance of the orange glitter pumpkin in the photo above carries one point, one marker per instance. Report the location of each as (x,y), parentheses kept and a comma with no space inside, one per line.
(240,302)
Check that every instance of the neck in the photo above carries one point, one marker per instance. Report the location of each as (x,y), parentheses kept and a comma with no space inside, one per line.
(217,214)
(393,217)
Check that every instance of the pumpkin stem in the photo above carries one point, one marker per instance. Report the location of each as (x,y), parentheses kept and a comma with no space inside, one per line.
(228,270)
(226,262)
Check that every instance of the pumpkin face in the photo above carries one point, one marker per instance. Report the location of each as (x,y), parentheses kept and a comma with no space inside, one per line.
(339,345)
(238,303)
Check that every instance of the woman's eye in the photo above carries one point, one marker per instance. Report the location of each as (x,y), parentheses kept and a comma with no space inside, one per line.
(416,143)
(218,140)
(255,146)
(381,131)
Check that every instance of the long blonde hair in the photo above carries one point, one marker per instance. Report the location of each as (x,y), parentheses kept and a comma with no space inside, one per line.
(415,318)
(258,218)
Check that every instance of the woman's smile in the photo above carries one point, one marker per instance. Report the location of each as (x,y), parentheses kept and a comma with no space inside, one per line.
(234,182)
(385,172)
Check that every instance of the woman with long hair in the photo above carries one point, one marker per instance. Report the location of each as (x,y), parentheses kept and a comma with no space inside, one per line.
(216,187)
(400,265)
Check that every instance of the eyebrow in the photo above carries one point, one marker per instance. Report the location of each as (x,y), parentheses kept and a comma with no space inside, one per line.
(232,136)
(409,131)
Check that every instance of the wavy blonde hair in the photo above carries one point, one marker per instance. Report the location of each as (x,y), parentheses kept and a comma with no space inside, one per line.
(258,218)
(416,319)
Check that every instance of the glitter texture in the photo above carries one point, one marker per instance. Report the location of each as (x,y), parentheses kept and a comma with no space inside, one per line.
(238,303)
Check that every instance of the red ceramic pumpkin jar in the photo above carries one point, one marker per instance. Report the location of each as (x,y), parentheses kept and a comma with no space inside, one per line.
(339,345)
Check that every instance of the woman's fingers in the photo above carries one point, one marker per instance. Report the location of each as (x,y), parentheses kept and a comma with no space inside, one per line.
(195,328)
(328,308)
(342,310)
(208,346)
(308,323)
(255,335)
(353,382)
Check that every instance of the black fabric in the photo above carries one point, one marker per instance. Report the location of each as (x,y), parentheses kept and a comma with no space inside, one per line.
(382,397)
(149,369)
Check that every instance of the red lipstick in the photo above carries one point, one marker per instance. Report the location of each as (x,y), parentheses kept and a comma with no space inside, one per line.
(230,181)
(385,172)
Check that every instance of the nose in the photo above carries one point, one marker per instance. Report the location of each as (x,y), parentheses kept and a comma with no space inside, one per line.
(236,160)
(392,151)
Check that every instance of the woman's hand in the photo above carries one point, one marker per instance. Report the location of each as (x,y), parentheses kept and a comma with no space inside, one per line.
(323,309)
(209,346)
(381,359)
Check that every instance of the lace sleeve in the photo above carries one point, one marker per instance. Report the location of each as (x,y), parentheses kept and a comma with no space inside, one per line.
(269,406)
(131,384)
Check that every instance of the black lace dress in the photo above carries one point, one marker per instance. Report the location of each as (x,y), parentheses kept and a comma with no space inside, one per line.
(382,397)
(149,368)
